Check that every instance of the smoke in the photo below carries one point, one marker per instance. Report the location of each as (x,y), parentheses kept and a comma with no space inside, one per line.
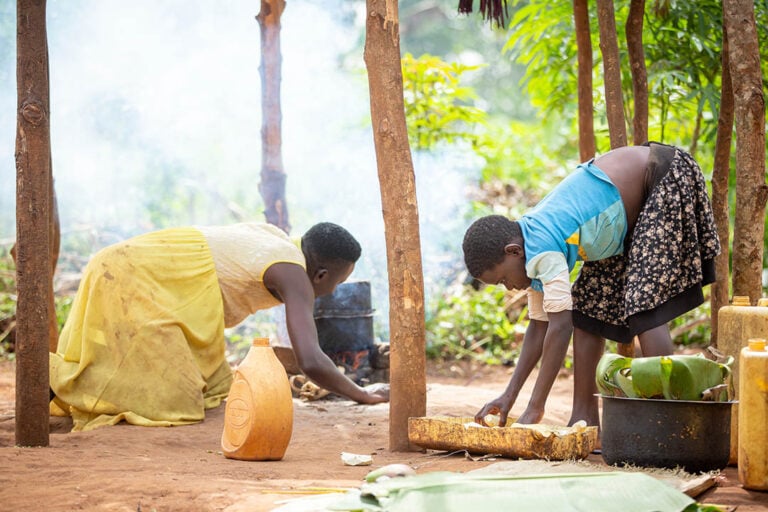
(156,118)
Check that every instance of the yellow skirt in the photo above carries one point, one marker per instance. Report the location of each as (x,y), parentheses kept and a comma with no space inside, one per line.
(144,340)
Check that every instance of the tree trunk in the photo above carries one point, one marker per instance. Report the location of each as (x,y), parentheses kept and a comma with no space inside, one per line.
(749,113)
(272,186)
(720,208)
(694,146)
(609,47)
(33,223)
(634,32)
(587,148)
(401,221)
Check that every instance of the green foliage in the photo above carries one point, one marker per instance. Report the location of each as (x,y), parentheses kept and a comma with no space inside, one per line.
(428,27)
(474,325)
(63,306)
(515,154)
(683,50)
(437,107)
(682,44)
(542,39)
(692,328)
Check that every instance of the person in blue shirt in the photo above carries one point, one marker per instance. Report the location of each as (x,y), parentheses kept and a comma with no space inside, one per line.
(640,220)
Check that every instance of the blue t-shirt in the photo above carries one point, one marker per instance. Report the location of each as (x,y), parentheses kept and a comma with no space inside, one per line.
(582,218)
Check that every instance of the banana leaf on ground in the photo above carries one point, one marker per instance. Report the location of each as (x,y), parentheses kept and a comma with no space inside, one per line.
(459,492)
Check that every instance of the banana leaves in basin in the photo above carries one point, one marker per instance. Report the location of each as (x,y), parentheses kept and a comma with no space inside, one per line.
(675,377)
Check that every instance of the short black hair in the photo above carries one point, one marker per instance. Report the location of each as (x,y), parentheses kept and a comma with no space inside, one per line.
(485,240)
(327,243)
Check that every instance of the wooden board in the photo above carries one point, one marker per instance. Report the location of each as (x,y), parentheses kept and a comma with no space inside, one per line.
(549,442)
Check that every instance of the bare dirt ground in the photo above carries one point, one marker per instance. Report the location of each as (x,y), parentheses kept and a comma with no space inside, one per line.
(128,468)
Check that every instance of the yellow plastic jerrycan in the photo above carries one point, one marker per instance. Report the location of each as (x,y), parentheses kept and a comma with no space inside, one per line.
(753,416)
(736,324)
(258,420)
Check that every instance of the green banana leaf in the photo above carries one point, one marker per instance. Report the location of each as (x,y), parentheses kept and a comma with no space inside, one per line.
(461,492)
(624,379)
(676,377)
(688,377)
(607,367)
(647,379)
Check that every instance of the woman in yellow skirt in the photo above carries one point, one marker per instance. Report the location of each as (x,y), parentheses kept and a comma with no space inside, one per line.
(144,340)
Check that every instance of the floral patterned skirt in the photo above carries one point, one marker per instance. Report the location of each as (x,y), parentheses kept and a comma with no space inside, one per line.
(668,260)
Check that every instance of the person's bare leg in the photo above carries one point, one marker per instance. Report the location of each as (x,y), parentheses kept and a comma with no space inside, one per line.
(656,342)
(588,348)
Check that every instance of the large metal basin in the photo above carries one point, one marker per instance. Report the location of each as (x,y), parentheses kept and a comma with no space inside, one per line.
(666,433)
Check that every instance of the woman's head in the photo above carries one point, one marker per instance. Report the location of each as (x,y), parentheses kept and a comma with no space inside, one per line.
(485,240)
(494,252)
(331,253)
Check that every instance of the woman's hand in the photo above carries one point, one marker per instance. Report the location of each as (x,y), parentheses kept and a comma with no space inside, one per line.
(500,406)
(375,393)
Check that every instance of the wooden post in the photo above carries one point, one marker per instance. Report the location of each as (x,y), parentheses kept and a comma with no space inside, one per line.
(749,114)
(626,349)
(33,220)
(634,32)
(587,147)
(721,171)
(614,99)
(401,221)
(54,234)
(272,186)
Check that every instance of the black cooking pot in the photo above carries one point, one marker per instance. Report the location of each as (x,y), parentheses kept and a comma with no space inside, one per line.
(666,433)
(344,318)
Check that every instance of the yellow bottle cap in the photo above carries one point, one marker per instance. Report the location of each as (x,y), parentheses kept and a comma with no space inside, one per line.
(741,300)
(756,344)
(260,342)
